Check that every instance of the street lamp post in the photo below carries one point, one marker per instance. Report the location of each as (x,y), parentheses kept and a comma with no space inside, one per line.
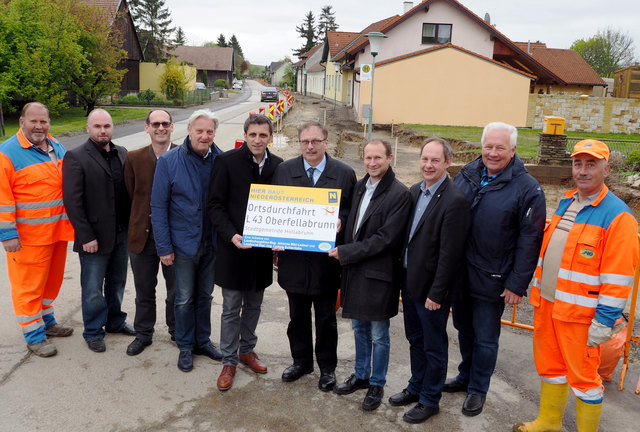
(374,44)
(335,84)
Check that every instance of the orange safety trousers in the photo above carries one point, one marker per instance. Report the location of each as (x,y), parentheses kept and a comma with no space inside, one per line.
(36,274)
(562,356)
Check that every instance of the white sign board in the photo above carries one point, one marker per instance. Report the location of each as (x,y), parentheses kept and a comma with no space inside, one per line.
(290,217)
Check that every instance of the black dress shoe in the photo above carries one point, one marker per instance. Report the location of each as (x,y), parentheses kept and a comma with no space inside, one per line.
(209,350)
(295,372)
(473,404)
(327,381)
(420,413)
(350,385)
(403,398)
(96,345)
(185,361)
(137,346)
(373,399)
(452,385)
(126,329)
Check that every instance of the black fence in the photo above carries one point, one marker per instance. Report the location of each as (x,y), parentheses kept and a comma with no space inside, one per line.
(624,147)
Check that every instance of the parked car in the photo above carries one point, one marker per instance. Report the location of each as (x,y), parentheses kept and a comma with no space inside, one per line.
(269,94)
(200,86)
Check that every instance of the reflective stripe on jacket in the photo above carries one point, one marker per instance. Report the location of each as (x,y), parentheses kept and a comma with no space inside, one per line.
(598,262)
(31,206)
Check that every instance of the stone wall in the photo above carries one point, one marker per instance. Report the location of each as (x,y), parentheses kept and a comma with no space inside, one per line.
(586,114)
(553,150)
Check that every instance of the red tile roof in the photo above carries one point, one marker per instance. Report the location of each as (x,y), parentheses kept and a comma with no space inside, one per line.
(360,41)
(450,45)
(565,63)
(205,58)
(310,52)
(338,40)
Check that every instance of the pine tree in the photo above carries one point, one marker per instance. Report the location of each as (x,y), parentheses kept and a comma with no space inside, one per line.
(153,20)
(222,42)
(233,43)
(326,22)
(180,39)
(307,31)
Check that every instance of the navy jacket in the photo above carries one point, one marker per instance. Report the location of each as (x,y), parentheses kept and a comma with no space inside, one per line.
(507,223)
(179,200)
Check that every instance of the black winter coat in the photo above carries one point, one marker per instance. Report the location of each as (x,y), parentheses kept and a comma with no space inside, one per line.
(233,173)
(371,273)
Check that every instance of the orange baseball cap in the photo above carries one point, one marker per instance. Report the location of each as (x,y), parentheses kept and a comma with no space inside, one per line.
(592,147)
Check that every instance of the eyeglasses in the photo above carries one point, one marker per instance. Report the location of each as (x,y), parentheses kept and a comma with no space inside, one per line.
(156,125)
(315,142)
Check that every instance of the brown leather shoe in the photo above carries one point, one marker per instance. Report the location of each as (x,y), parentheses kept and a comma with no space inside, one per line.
(254,362)
(225,380)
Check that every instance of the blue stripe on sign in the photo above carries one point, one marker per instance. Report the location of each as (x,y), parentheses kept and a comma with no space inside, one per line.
(287,243)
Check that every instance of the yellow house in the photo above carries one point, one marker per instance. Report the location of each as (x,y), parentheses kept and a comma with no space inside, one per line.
(338,81)
(150,74)
(446,85)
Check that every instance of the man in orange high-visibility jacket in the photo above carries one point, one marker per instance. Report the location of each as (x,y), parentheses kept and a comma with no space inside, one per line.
(584,275)
(34,227)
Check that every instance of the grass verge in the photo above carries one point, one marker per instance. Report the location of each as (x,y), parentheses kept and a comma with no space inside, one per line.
(527,138)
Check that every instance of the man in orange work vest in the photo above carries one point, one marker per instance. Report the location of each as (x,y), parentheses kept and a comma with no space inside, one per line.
(580,288)
(34,227)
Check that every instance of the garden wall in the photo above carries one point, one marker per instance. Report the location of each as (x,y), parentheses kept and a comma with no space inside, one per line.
(586,113)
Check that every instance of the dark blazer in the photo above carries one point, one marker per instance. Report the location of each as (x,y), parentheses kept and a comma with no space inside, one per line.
(313,273)
(435,260)
(233,173)
(371,272)
(89,196)
(139,167)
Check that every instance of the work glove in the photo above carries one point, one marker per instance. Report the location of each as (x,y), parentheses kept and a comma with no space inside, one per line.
(600,333)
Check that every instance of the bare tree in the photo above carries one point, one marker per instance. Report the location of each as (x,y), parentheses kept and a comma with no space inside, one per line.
(607,51)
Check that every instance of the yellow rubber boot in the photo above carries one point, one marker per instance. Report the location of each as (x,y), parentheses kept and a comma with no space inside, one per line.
(588,416)
(553,398)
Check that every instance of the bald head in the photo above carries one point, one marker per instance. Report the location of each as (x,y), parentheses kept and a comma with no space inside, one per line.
(100,127)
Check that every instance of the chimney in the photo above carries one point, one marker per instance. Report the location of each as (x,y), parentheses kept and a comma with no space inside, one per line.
(407,6)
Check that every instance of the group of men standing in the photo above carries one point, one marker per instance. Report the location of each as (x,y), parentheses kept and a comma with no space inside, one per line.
(470,245)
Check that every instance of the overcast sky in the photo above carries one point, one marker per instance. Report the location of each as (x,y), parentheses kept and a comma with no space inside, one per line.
(266,29)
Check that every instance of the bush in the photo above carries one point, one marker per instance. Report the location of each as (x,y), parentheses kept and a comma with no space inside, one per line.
(221,83)
(173,81)
(130,100)
(148,95)
(633,160)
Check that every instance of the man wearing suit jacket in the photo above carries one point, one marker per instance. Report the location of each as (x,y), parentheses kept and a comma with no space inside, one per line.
(139,167)
(97,203)
(370,259)
(433,258)
(243,272)
(311,279)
